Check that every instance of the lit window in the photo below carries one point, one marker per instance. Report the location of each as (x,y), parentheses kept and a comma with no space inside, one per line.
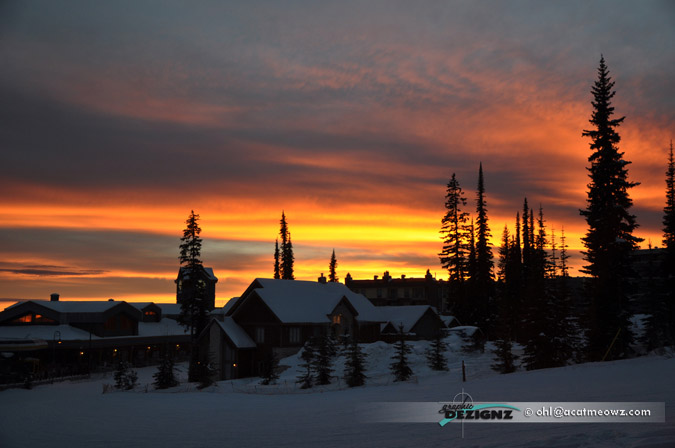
(337,319)
(28,318)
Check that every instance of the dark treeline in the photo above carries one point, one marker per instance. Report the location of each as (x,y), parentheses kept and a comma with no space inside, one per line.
(530,302)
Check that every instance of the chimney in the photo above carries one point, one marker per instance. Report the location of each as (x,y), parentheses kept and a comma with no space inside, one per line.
(375,277)
(322,279)
(53,297)
(402,276)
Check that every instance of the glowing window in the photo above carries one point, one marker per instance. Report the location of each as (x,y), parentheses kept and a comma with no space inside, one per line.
(31,318)
(337,319)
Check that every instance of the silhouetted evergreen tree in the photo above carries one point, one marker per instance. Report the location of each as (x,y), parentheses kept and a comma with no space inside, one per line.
(355,365)
(553,268)
(537,301)
(400,368)
(191,243)
(669,209)
(527,242)
(165,376)
(564,270)
(455,233)
(471,265)
(436,353)
(277,265)
(484,283)
(609,241)
(508,298)
(193,309)
(332,267)
(660,325)
(669,243)
(504,250)
(287,257)
(464,305)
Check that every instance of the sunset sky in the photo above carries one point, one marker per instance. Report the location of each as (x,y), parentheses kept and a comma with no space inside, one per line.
(118,118)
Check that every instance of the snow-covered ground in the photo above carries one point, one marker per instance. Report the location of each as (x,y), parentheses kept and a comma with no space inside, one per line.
(243,413)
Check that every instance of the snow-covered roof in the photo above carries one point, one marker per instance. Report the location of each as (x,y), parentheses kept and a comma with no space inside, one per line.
(184,270)
(468,330)
(406,315)
(448,320)
(73,306)
(297,301)
(230,303)
(169,309)
(237,335)
(165,327)
(46,332)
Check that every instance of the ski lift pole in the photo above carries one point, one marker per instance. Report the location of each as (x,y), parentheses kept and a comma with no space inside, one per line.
(612,344)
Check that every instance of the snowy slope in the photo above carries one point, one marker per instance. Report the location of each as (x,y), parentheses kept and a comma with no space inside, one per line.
(78,414)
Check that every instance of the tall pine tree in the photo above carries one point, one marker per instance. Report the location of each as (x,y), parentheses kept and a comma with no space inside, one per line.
(454,232)
(287,257)
(193,310)
(669,243)
(277,265)
(609,240)
(332,269)
(660,325)
(483,285)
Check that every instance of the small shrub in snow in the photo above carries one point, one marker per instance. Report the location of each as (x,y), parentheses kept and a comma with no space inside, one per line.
(400,367)
(165,376)
(125,377)
(324,352)
(436,354)
(269,373)
(355,365)
(305,379)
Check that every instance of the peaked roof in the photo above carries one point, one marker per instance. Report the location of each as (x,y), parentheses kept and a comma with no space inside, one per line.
(298,301)
(230,303)
(448,320)
(405,315)
(184,270)
(67,306)
(237,335)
